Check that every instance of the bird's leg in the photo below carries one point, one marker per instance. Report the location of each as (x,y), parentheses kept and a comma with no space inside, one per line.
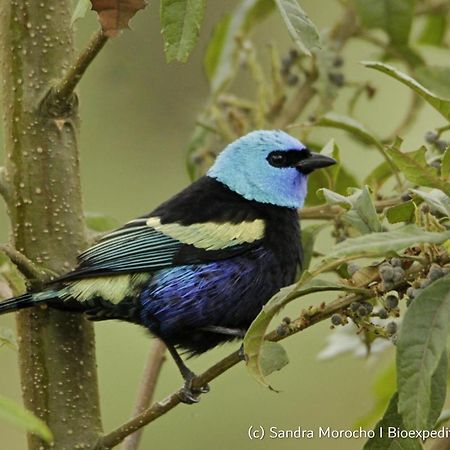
(189,394)
(238,332)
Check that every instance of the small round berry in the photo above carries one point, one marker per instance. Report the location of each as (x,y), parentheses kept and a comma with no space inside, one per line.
(399,274)
(336,319)
(411,292)
(391,328)
(382,313)
(391,301)
(286,320)
(352,268)
(281,330)
(425,207)
(293,54)
(435,272)
(431,137)
(292,79)
(436,164)
(386,272)
(354,306)
(338,61)
(441,145)
(337,78)
(406,196)
(396,262)
(363,311)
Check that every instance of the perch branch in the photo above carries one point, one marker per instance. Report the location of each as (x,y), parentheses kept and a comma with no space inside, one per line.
(65,87)
(150,376)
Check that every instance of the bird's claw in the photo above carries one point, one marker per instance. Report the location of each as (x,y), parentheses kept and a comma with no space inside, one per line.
(189,394)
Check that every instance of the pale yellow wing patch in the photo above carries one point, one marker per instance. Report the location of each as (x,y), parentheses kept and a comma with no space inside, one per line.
(210,235)
(110,288)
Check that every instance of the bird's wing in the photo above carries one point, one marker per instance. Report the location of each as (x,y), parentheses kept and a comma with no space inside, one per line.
(147,244)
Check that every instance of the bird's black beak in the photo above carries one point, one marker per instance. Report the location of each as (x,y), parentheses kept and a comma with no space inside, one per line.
(313,162)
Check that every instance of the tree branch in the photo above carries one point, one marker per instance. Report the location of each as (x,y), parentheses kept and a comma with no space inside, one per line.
(150,376)
(27,267)
(327,212)
(64,89)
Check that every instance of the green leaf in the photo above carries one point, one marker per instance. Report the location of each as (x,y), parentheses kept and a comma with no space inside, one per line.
(445,166)
(393,16)
(83,6)
(438,390)
(381,440)
(254,338)
(181,21)
(421,343)
(404,212)
(309,235)
(433,32)
(440,104)
(378,176)
(222,54)
(17,415)
(435,78)
(7,338)
(362,214)
(437,200)
(300,27)
(273,357)
(390,241)
(100,222)
(349,124)
(415,168)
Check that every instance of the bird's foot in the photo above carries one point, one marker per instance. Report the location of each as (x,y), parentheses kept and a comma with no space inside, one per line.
(190,394)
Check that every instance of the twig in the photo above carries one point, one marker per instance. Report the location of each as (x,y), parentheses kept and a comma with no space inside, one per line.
(64,89)
(150,376)
(27,267)
(327,212)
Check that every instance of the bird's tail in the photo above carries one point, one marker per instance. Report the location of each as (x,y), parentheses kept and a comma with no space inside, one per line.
(21,302)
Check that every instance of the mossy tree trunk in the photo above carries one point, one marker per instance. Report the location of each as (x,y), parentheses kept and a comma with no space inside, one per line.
(57,355)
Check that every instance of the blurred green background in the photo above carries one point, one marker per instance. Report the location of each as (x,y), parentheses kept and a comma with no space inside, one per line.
(137,115)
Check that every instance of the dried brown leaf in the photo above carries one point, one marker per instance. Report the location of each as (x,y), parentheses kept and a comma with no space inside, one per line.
(115,15)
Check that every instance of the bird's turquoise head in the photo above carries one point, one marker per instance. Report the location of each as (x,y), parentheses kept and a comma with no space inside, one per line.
(268,167)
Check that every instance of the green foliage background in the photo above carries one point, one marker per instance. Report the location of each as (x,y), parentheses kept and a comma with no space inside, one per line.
(138,114)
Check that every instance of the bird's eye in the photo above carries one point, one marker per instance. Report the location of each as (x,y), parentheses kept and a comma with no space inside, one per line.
(278,159)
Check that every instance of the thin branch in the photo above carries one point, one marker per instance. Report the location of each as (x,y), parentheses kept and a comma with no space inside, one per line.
(327,212)
(150,377)
(64,89)
(27,267)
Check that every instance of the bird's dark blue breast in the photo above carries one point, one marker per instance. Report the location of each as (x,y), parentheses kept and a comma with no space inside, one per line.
(229,292)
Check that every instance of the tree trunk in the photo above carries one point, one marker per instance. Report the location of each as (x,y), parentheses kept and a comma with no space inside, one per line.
(56,349)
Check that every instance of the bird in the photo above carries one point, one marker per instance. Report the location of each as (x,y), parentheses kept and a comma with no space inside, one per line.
(197,270)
